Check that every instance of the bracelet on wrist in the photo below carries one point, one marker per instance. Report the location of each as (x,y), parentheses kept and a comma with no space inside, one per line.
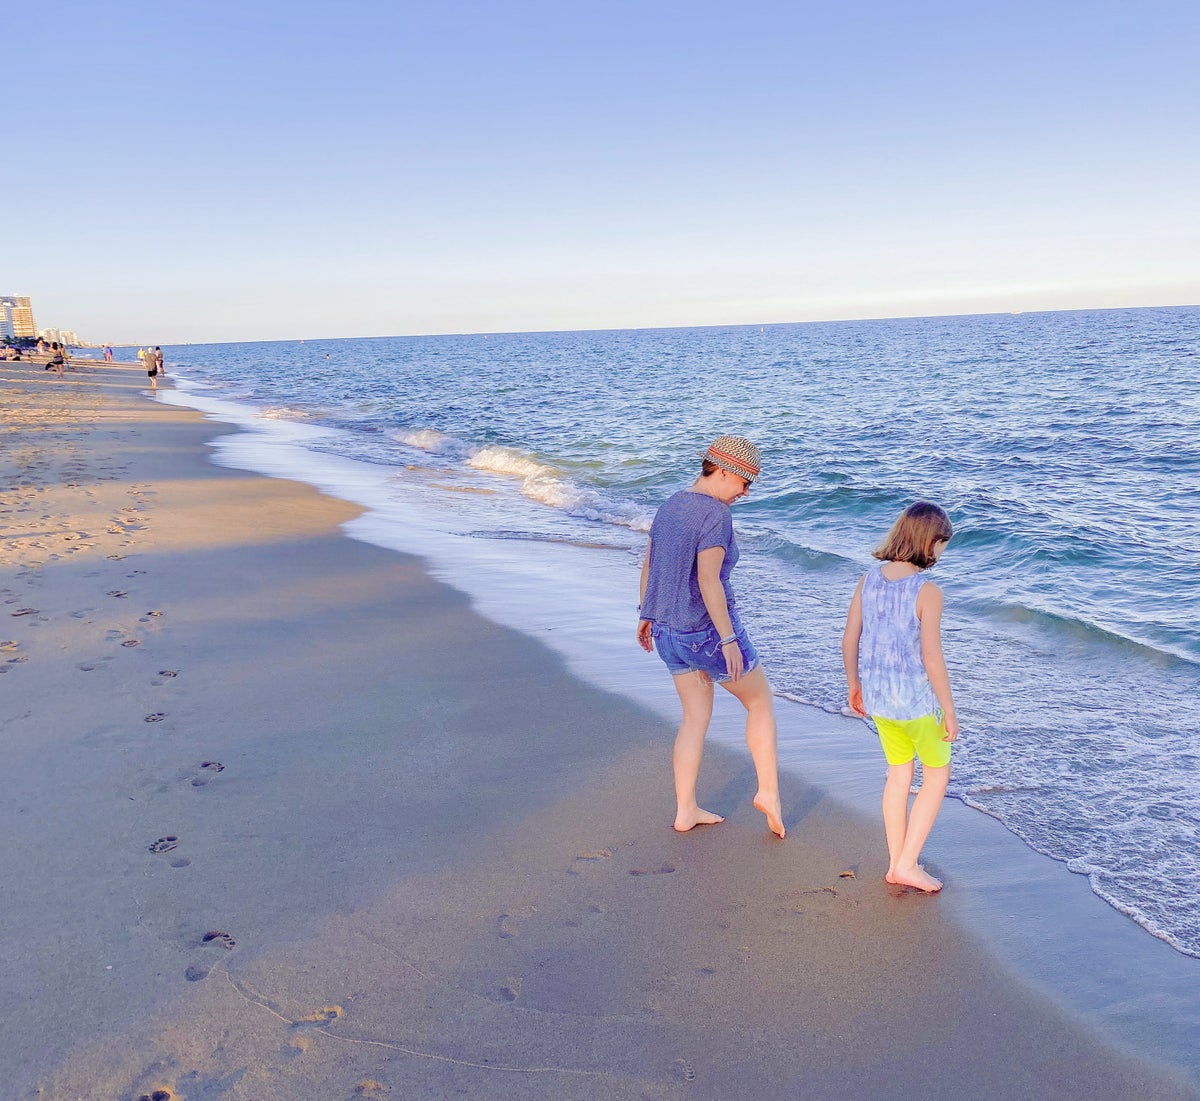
(727,641)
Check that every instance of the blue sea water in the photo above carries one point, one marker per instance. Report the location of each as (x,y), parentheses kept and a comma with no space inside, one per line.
(1063,446)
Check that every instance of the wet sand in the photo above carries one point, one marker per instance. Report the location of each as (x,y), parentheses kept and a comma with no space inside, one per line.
(286,819)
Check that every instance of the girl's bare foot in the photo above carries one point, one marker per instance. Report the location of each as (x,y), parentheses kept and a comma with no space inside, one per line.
(774,812)
(694,818)
(916,877)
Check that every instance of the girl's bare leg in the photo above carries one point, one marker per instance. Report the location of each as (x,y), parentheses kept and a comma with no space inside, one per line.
(754,693)
(896,791)
(905,869)
(696,695)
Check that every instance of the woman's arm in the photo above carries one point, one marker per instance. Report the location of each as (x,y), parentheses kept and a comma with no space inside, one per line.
(929,612)
(850,639)
(645,641)
(708,576)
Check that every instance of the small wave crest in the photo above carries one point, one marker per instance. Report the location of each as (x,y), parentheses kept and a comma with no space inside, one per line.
(543,483)
(1083,626)
(424,439)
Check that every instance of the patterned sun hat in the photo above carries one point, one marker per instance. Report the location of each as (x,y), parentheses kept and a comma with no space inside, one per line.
(735,454)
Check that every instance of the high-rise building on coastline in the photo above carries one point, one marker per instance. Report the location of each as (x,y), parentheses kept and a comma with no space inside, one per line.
(16,316)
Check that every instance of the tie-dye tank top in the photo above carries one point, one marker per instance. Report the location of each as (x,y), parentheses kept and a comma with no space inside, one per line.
(890,665)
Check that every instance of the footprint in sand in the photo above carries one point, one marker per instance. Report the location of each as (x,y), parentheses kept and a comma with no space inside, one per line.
(506,928)
(155,717)
(208,770)
(117,593)
(511,990)
(130,643)
(164,844)
(685,1070)
(326,1015)
(168,673)
(220,938)
(369,1088)
(114,557)
(24,611)
(663,869)
(158,1095)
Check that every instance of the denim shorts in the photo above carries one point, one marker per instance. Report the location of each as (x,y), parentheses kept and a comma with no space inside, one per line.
(685,651)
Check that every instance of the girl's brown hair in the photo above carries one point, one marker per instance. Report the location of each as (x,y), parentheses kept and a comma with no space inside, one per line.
(913,536)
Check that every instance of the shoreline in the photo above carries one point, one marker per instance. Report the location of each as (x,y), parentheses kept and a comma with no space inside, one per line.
(440,856)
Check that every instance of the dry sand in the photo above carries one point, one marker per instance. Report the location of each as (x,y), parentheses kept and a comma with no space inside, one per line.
(285,819)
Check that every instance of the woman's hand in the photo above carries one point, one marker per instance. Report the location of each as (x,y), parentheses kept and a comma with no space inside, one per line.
(856,701)
(645,641)
(734,663)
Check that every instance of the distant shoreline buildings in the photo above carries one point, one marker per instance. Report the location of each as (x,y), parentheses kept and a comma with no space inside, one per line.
(16,317)
(16,321)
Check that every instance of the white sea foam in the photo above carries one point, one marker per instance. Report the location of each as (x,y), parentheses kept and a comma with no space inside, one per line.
(424,439)
(508,460)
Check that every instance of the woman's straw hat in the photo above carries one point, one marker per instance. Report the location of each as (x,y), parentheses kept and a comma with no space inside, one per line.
(735,454)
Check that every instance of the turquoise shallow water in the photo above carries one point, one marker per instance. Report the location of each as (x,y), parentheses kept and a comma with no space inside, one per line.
(1063,446)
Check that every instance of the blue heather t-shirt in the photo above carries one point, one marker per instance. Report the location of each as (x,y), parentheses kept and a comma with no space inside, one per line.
(686,524)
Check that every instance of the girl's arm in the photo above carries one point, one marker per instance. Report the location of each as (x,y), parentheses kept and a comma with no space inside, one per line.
(643,631)
(850,638)
(929,612)
(708,576)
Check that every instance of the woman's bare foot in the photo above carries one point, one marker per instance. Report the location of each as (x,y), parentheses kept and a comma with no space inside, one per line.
(916,877)
(694,818)
(774,812)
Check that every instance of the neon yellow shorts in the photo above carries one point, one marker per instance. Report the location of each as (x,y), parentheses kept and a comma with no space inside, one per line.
(903,739)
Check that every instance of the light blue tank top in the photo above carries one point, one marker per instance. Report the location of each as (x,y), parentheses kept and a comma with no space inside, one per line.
(890,665)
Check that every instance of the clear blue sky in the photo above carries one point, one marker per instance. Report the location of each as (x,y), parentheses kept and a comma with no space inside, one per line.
(254,170)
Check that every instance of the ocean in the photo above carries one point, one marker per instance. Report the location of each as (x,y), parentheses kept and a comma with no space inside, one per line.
(1063,445)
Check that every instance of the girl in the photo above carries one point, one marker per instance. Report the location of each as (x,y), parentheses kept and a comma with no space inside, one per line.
(892,650)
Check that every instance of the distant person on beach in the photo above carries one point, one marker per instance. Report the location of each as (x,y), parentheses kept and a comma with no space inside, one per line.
(107,354)
(158,360)
(688,614)
(892,650)
(151,364)
(56,362)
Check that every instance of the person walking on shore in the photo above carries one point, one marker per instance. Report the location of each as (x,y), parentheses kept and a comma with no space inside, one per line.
(689,615)
(158,360)
(151,365)
(896,672)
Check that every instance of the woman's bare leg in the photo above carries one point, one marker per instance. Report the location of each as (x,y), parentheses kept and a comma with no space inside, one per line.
(696,695)
(754,694)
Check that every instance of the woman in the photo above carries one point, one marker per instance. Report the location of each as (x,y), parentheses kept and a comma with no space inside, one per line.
(689,615)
